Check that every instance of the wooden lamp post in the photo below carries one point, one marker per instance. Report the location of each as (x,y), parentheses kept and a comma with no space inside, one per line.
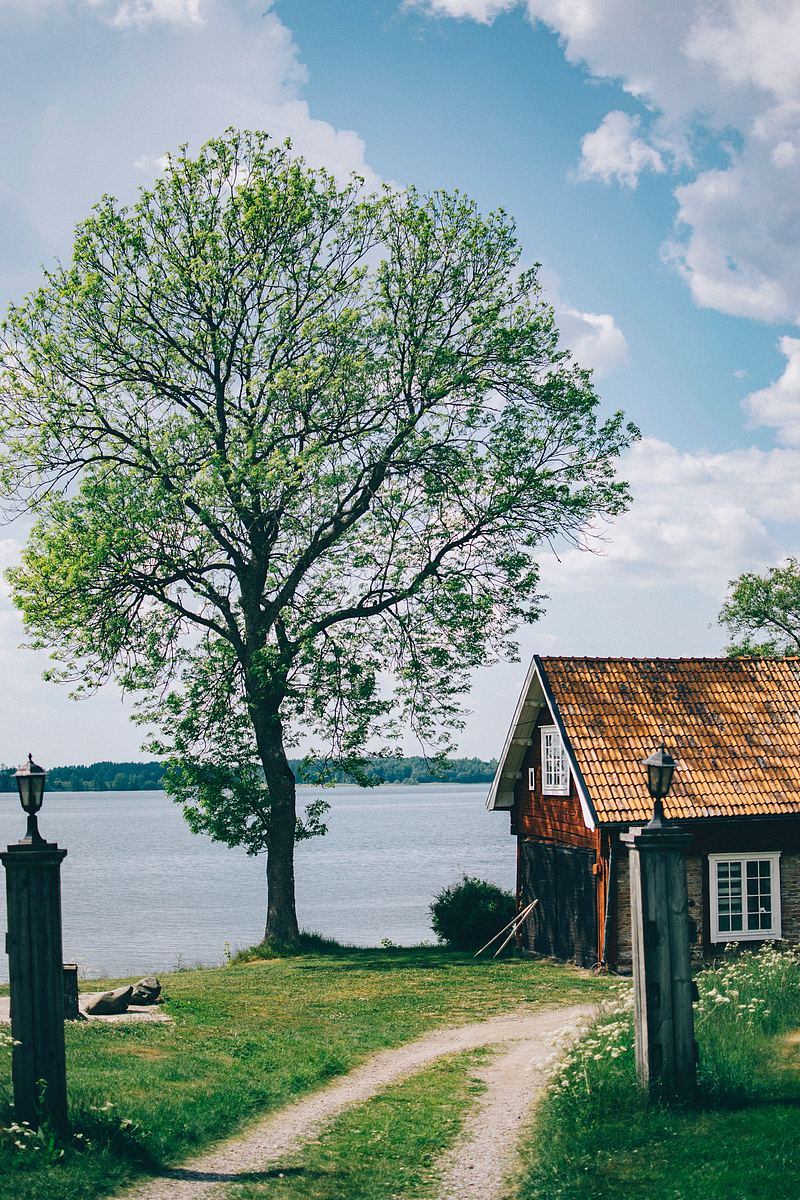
(33,945)
(666,1054)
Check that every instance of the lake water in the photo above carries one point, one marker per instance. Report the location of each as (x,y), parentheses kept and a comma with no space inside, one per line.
(141,893)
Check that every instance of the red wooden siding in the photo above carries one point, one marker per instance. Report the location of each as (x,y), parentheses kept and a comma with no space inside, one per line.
(556,819)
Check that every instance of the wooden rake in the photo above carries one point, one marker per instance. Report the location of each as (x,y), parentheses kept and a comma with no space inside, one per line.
(513,925)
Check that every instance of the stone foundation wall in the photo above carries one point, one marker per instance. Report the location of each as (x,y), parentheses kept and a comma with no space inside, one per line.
(623,907)
(696,867)
(790,897)
(694,887)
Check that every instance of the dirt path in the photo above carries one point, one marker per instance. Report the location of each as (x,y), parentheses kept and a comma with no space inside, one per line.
(532,1035)
(486,1154)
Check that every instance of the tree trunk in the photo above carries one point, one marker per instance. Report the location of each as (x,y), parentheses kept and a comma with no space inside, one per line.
(281,909)
(281,923)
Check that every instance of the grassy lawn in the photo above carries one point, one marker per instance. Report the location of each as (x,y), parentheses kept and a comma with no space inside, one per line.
(248,1038)
(383,1149)
(596,1139)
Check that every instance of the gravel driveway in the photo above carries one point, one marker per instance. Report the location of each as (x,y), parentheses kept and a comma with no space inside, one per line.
(473,1170)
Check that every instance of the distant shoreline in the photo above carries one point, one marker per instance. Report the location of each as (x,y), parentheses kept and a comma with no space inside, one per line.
(148,777)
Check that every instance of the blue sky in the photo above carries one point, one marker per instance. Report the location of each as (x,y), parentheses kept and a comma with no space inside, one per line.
(651,157)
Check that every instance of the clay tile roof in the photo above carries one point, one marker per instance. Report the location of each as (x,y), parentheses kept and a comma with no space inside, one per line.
(733,724)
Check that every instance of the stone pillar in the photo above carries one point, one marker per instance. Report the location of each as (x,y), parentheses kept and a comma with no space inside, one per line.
(33,945)
(666,1053)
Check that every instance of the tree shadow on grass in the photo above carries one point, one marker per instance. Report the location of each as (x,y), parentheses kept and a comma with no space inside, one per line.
(386,958)
(731,1102)
(378,963)
(187,1175)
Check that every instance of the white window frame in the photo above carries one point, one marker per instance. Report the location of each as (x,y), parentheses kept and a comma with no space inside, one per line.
(559,787)
(773,857)
(531,779)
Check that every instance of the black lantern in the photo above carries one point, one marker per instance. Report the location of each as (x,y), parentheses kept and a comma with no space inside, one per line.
(30,782)
(660,768)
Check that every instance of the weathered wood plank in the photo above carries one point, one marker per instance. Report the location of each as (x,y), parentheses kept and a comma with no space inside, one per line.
(33,889)
(666,1057)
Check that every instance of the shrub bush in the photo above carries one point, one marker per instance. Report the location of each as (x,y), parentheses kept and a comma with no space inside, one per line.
(465,915)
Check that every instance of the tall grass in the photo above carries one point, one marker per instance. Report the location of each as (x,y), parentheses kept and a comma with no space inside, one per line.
(596,1134)
(743,1003)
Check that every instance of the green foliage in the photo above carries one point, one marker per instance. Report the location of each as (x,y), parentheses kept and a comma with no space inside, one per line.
(735,1144)
(292,451)
(466,914)
(762,612)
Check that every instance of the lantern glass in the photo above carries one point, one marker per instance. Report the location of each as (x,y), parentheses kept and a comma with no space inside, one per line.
(30,784)
(660,769)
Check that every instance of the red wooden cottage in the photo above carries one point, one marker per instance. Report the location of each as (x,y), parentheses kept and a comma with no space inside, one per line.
(571,777)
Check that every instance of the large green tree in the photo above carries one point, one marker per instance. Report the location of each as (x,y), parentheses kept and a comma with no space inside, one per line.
(291,450)
(762,612)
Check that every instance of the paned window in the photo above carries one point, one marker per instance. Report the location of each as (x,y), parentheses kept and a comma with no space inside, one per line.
(745,897)
(555,772)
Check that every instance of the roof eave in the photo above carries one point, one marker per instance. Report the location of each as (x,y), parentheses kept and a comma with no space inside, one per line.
(617,823)
(536,692)
(501,793)
(587,807)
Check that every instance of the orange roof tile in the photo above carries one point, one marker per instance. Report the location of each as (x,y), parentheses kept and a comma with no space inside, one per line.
(732,723)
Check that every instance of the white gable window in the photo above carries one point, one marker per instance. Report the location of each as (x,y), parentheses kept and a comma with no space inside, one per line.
(745,895)
(555,772)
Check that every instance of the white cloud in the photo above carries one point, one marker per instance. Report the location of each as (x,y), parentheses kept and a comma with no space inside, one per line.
(739,227)
(730,65)
(697,519)
(121,13)
(735,63)
(778,406)
(750,42)
(614,151)
(595,339)
(637,42)
(161,88)
(476,10)
(153,164)
(125,13)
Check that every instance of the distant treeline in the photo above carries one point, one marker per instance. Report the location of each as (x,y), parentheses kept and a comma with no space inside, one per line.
(141,777)
(99,777)
(418,770)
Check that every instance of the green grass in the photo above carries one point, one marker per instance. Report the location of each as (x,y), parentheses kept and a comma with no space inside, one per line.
(247,1039)
(596,1138)
(385,1148)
